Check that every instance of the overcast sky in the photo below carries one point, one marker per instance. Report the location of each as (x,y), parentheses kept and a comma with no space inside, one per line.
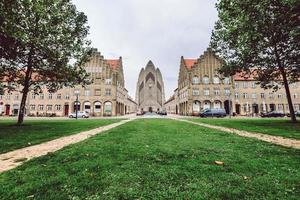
(143,30)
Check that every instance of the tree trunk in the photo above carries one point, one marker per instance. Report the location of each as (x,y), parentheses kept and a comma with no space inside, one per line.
(25,90)
(286,85)
(23,103)
(288,95)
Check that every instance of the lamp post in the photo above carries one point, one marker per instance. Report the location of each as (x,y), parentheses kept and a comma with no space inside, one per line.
(76,103)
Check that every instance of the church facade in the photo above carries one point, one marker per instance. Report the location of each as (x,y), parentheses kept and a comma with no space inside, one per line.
(150,93)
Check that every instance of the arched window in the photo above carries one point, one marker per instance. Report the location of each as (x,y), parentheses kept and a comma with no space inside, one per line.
(216,80)
(97,107)
(196,106)
(87,106)
(195,80)
(108,108)
(205,80)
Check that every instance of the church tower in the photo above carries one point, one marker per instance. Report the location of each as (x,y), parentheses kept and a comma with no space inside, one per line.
(150,93)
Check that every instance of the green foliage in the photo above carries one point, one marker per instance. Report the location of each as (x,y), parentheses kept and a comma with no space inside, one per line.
(159,159)
(37,131)
(261,35)
(43,42)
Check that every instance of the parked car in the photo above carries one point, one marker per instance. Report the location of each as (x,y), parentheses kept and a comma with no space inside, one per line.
(80,114)
(163,112)
(139,113)
(213,113)
(297,113)
(272,114)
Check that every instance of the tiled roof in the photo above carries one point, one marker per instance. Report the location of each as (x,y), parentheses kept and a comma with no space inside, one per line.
(113,63)
(189,63)
(245,76)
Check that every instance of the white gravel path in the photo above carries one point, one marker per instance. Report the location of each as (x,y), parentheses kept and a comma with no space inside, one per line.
(286,142)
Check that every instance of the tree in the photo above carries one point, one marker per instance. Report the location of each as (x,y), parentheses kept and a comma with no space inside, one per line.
(42,43)
(261,37)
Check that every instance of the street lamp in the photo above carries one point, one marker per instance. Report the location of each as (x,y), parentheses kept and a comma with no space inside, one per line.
(76,103)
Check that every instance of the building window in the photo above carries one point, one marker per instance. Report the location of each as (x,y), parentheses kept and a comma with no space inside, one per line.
(76,92)
(49,107)
(1,97)
(196,92)
(227,80)
(87,93)
(58,96)
(41,107)
(253,85)
(217,91)
(107,92)
(205,80)
(32,96)
(245,95)
(227,91)
(254,96)
(245,84)
(295,95)
(108,81)
(262,95)
(236,95)
(236,85)
(97,92)
(206,92)
(32,107)
(50,96)
(271,96)
(16,97)
(280,107)
(67,96)
(58,107)
(279,96)
(195,80)
(216,80)
(41,96)
(294,85)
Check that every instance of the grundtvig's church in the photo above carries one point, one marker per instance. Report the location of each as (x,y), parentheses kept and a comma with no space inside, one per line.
(150,93)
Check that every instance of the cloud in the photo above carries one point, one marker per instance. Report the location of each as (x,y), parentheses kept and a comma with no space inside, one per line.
(157,30)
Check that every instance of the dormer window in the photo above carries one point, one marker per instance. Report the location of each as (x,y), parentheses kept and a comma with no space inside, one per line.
(216,80)
(205,80)
(196,80)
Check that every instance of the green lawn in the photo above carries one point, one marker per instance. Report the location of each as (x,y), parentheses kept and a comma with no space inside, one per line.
(38,131)
(277,127)
(159,159)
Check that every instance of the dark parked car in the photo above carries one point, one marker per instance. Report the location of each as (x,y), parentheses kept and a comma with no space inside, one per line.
(213,113)
(272,114)
(162,112)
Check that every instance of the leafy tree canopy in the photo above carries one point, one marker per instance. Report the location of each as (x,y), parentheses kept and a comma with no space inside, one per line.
(260,35)
(44,40)
(42,43)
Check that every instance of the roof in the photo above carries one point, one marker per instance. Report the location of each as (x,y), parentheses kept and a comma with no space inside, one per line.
(189,63)
(113,63)
(243,76)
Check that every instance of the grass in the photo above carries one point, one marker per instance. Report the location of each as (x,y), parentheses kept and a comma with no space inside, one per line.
(277,127)
(159,159)
(37,131)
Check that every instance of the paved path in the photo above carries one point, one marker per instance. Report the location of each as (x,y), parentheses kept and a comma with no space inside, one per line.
(15,158)
(286,142)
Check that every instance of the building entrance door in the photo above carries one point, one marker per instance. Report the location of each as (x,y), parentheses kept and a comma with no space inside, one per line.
(150,109)
(66,110)
(7,109)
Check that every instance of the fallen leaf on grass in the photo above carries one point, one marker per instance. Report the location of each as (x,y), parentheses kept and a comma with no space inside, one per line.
(219,162)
